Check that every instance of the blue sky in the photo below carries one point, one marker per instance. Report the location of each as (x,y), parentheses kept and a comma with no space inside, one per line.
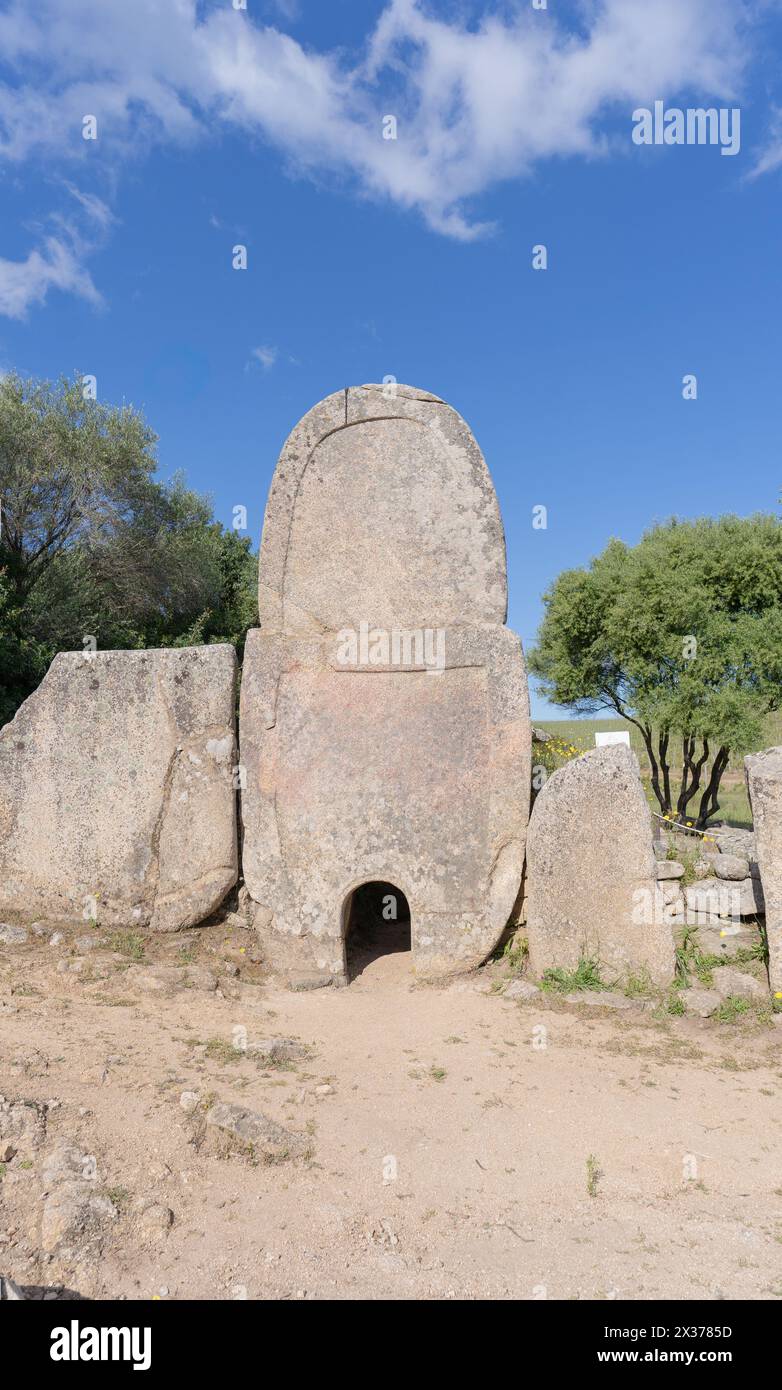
(369,258)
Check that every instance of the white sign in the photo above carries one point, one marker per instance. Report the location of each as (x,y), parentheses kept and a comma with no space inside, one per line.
(615,736)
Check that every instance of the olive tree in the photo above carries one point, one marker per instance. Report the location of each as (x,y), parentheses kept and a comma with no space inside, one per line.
(93,543)
(681,635)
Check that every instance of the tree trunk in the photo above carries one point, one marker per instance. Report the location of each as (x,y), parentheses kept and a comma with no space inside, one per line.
(709,804)
(692,771)
(654,768)
(663,794)
(662,746)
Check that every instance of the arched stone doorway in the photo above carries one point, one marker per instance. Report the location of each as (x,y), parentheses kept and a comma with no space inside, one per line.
(375,922)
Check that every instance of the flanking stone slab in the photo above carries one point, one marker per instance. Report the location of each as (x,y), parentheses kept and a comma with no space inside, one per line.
(385,732)
(116,789)
(764,786)
(592,874)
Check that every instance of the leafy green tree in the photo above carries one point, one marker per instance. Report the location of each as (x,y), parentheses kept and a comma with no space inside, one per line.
(93,545)
(681,635)
(23,657)
(69,468)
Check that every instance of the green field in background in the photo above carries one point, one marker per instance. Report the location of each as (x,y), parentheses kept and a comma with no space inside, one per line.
(734,805)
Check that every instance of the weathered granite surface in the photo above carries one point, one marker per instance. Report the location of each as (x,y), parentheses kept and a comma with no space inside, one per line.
(764,786)
(116,789)
(381,509)
(385,731)
(592,874)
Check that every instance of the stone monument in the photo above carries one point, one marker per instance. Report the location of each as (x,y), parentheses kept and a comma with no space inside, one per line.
(385,732)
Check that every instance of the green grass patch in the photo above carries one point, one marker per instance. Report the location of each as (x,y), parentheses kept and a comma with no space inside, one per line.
(585,976)
(672,1006)
(516,953)
(593,1175)
(732,1008)
(691,960)
(219,1050)
(127,943)
(688,858)
(639,984)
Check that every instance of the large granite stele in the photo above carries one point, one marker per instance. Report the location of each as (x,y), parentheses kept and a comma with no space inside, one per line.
(591,872)
(385,732)
(116,789)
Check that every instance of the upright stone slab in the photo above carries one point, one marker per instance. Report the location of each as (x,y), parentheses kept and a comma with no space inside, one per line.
(385,732)
(591,876)
(116,789)
(764,786)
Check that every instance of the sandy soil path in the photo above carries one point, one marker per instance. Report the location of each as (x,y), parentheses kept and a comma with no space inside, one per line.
(464,1146)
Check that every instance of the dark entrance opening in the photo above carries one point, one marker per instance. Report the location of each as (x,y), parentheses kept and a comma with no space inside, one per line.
(377,923)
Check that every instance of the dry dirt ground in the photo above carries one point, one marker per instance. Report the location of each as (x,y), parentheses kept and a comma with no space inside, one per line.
(462,1145)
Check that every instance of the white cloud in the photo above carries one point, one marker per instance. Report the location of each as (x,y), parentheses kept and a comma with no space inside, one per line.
(475,104)
(55,266)
(267,356)
(58,262)
(289,9)
(770,157)
(94,207)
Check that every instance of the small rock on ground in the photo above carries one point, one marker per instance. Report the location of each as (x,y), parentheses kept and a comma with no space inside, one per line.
(12,936)
(521,989)
(155,1218)
(167,979)
(598,998)
(735,984)
(73,1214)
(22,1128)
(84,944)
(700,1002)
(731,866)
(669,868)
(64,1162)
(273,1051)
(307,981)
(233,1129)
